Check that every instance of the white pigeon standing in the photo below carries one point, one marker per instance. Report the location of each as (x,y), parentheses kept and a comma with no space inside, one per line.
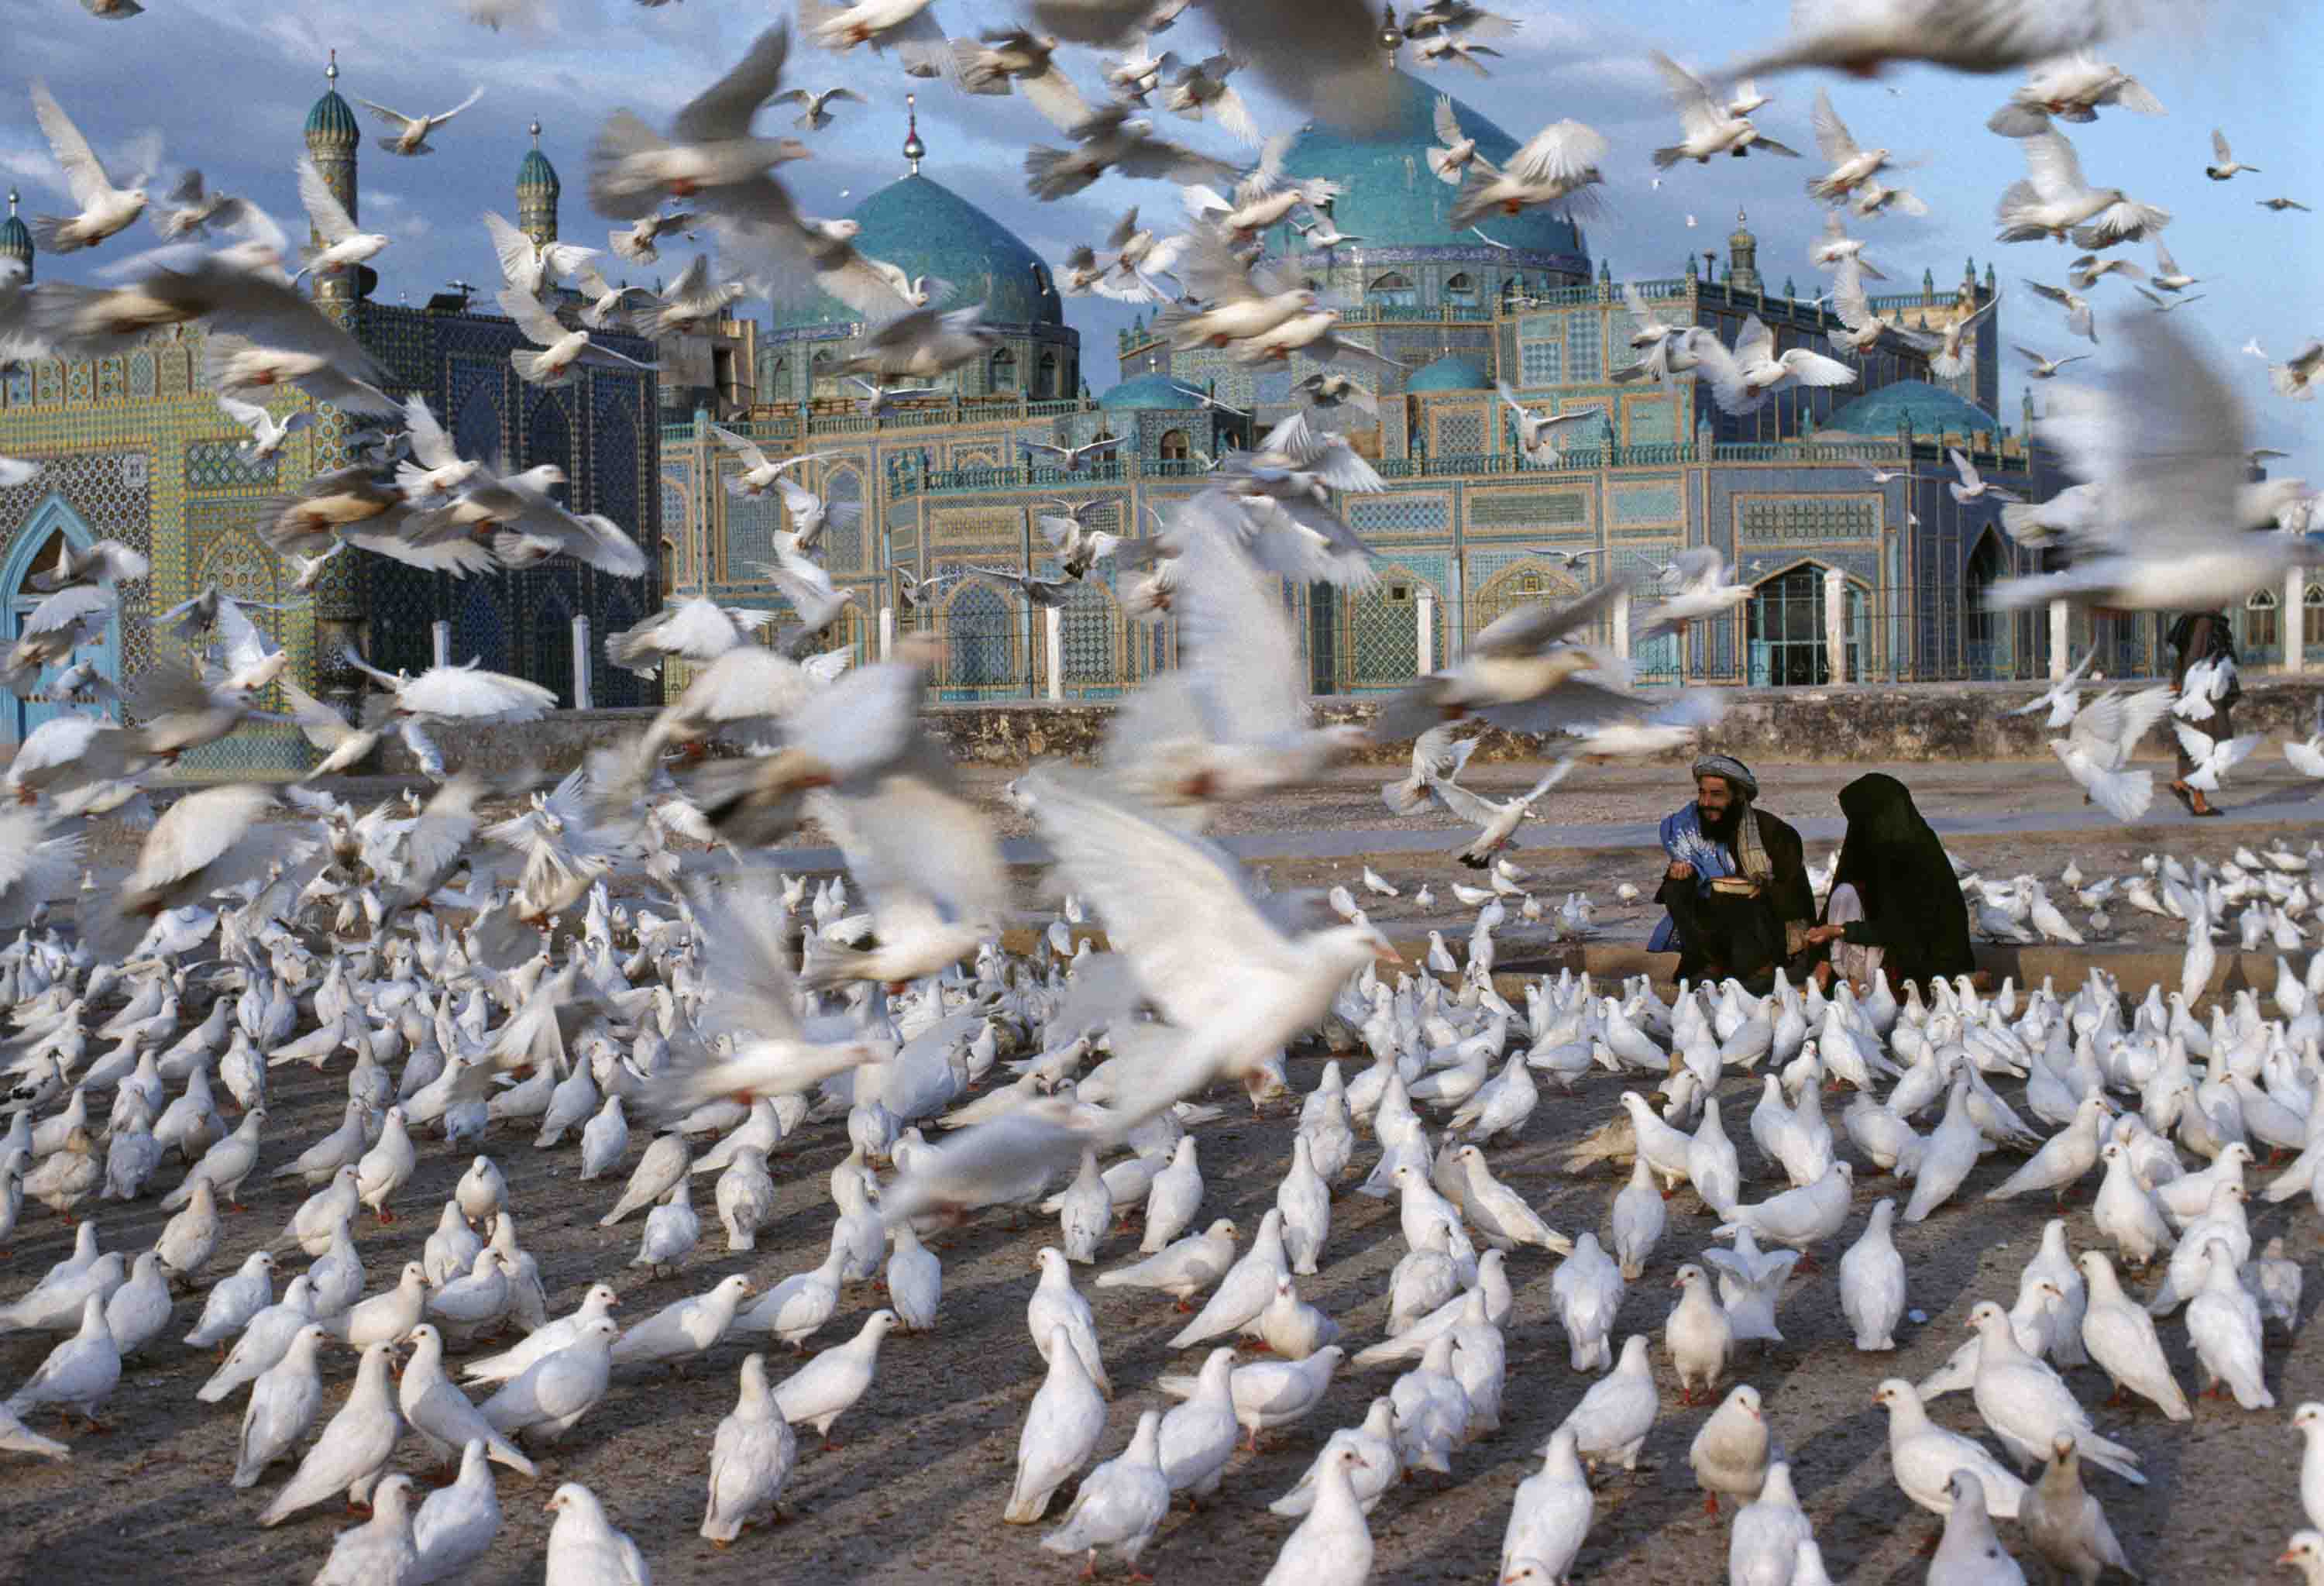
(456,1526)
(1638,1219)
(583,1547)
(552,1393)
(1333,1545)
(1763,1543)
(823,1389)
(1697,1333)
(1061,1428)
(1613,1418)
(2026,1404)
(1587,1289)
(80,1373)
(352,1451)
(1872,1282)
(435,1409)
(1120,1505)
(1971,1554)
(1550,1511)
(382,1548)
(914,1281)
(2223,1323)
(750,1458)
(283,1406)
(1305,1200)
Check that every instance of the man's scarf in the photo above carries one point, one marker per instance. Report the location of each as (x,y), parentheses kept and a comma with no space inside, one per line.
(1683,840)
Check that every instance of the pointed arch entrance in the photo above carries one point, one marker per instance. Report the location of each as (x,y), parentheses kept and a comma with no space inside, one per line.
(38,544)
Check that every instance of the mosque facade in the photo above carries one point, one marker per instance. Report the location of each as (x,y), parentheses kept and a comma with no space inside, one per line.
(135,448)
(1826,502)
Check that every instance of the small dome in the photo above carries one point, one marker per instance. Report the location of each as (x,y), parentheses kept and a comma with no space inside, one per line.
(1151,391)
(925,228)
(1930,410)
(1452,372)
(15,236)
(331,120)
(535,171)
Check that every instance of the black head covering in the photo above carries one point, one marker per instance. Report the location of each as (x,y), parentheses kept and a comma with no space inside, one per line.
(1911,900)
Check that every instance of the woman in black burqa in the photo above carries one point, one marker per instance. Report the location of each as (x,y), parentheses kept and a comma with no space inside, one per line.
(1895,907)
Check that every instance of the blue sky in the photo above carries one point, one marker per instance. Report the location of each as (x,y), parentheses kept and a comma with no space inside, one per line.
(228,86)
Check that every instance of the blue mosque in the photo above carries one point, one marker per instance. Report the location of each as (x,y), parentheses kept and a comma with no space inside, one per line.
(134,448)
(1824,495)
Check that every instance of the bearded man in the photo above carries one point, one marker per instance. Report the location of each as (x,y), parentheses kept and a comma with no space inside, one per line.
(1736,886)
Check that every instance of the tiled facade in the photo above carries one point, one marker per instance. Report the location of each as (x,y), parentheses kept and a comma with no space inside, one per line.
(134,448)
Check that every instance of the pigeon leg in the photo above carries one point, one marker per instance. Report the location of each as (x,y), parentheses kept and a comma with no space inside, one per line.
(1710,1504)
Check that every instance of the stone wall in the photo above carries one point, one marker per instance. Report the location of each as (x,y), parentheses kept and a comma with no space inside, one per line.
(1923,723)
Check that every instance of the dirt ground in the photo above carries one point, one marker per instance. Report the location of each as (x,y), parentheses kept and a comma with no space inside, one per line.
(915,1492)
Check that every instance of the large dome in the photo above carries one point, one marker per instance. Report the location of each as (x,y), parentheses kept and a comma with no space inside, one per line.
(925,228)
(1392,200)
(1929,410)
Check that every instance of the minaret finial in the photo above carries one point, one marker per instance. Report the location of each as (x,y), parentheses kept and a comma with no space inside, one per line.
(331,71)
(535,130)
(12,201)
(915,151)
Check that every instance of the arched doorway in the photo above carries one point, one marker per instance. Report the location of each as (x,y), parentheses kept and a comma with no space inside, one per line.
(1174,447)
(1784,626)
(1988,638)
(1393,291)
(52,527)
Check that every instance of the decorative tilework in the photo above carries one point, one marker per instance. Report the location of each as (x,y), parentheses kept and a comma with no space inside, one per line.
(1542,326)
(1525,509)
(1582,345)
(1542,362)
(19,388)
(479,628)
(844,546)
(752,524)
(1400,513)
(1272,389)
(141,376)
(1619,353)
(1460,432)
(1654,422)
(1807,518)
(1647,504)
(111,380)
(218,465)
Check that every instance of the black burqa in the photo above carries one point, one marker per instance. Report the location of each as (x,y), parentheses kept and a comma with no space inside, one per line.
(1913,904)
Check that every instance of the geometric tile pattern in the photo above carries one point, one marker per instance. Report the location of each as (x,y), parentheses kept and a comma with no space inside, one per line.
(1525,509)
(1647,504)
(1400,513)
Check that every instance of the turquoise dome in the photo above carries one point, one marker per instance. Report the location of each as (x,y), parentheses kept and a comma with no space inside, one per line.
(536,172)
(1391,200)
(1452,372)
(15,236)
(1930,410)
(1151,391)
(925,228)
(332,120)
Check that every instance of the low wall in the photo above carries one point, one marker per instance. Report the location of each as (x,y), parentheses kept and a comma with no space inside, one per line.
(1922,723)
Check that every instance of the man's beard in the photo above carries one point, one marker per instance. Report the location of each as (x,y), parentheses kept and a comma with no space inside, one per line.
(1719,827)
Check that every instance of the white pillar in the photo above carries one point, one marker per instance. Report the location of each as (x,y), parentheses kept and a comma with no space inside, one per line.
(1425,631)
(2294,620)
(1835,625)
(887,631)
(581,663)
(1622,627)
(1053,645)
(439,635)
(2062,641)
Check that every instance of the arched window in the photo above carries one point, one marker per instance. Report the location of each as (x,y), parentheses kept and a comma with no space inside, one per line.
(1462,291)
(2262,624)
(2312,616)
(822,370)
(476,431)
(1392,290)
(776,383)
(1174,445)
(980,639)
(1783,627)
(668,566)
(843,531)
(1045,377)
(1004,370)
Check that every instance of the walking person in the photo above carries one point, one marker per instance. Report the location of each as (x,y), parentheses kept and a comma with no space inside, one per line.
(2198,637)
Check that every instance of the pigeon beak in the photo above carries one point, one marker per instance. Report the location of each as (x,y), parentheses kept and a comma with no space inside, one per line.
(549,1508)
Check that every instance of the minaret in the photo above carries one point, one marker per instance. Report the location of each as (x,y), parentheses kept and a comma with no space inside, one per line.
(1742,256)
(537,190)
(1391,37)
(332,139)
(915,151)
(17,239)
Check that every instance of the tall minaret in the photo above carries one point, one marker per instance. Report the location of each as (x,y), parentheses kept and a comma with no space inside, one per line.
(332,139)
(16,238)
(1742,256)
(537,190)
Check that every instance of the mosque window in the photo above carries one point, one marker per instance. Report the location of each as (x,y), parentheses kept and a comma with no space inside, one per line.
(1393,291)
(668,566)
(979,648)
(824,375)
(777,381)
(1174,445)
(2311,616)
(1004,370)
(1462,291)
(1045,377)
(2262,629)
